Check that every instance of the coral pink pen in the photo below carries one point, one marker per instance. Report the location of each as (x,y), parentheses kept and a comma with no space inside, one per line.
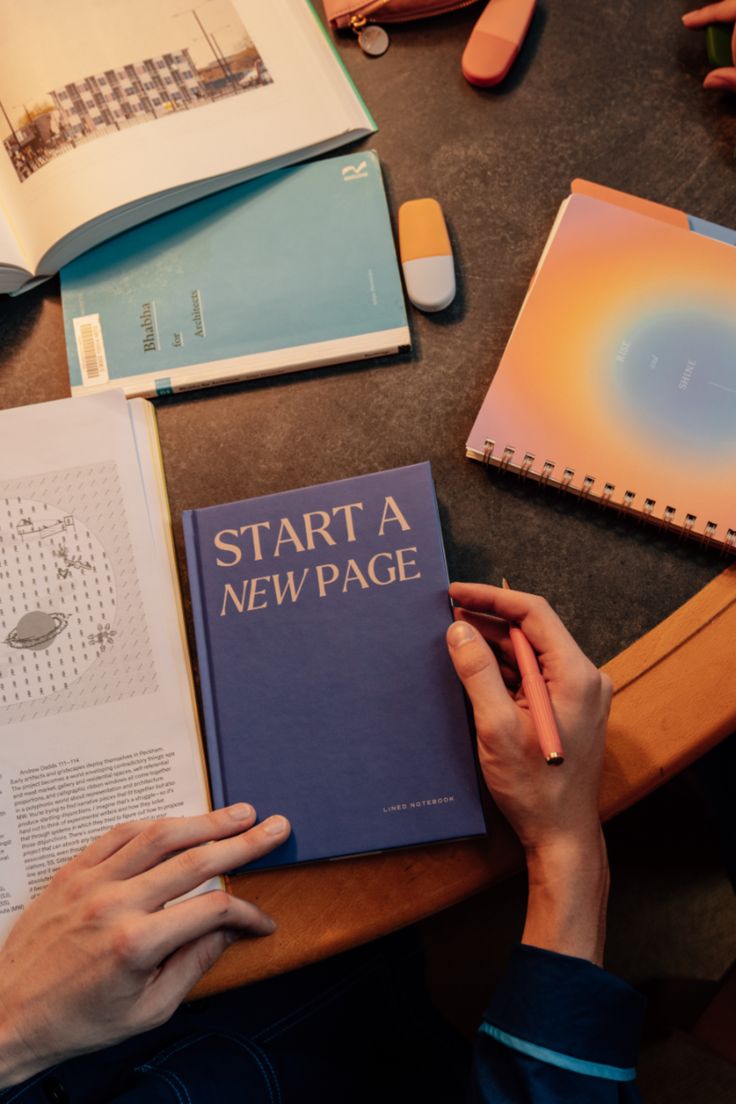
(536,694)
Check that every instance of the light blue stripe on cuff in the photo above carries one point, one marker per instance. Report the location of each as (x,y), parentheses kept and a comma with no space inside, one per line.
(553,1058)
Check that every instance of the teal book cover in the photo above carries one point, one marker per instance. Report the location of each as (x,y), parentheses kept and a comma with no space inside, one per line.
(290,271)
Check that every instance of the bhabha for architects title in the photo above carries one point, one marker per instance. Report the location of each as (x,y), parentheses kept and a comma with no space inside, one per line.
(264,541)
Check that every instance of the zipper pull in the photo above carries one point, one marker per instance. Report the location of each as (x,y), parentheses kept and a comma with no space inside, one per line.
(372,39)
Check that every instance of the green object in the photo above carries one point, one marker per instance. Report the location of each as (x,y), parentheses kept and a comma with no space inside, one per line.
(718,43)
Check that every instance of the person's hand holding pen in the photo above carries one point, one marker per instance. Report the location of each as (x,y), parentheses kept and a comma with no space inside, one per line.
(554,812)
(723,12)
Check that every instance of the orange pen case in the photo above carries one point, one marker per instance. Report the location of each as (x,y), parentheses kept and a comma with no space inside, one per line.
(355,14)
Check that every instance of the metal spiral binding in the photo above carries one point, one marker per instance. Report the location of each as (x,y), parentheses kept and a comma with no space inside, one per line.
(605,496)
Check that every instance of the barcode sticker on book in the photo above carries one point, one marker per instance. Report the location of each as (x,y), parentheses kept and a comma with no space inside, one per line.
(90,349)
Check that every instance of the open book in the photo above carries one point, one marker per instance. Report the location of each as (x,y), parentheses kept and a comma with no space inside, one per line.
(113,112)
(97,710)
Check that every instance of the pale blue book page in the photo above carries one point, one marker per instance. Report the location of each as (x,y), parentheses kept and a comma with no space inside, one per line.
(712,230)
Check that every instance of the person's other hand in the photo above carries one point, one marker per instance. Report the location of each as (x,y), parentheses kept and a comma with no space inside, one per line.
(97,958)
(723,12)
(552,809)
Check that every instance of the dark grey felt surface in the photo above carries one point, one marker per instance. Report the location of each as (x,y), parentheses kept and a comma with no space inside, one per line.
(605,90)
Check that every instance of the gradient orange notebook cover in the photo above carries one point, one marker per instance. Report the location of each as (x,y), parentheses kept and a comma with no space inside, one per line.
(619,379)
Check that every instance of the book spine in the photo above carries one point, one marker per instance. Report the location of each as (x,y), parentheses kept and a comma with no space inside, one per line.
(191,544)
(193,377)
(592,487)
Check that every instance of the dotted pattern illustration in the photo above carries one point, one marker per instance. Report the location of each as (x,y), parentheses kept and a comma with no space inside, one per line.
(51,564)
(72,628)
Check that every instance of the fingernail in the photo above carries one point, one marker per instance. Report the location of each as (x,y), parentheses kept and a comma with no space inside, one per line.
(275,826)
(460,633)
(241,811)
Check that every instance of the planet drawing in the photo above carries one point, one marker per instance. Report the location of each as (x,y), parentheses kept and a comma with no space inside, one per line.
(57,595)
(36,630)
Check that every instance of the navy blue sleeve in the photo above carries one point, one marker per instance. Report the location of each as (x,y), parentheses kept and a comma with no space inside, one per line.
(558,1029)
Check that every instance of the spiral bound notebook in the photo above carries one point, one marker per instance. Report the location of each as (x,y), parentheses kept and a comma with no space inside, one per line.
(618,382)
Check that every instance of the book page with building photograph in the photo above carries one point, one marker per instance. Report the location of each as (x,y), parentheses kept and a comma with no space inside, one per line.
(113,112)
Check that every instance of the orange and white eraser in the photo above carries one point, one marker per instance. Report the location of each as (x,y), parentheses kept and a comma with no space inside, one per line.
(496,40)
(426,255)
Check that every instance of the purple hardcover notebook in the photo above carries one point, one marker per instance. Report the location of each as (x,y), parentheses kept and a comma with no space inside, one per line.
(320,616)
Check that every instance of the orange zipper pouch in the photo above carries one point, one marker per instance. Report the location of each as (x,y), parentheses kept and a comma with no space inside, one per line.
(356,13)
